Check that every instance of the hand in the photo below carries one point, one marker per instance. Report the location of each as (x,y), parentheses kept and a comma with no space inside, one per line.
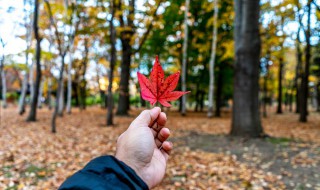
(144,147)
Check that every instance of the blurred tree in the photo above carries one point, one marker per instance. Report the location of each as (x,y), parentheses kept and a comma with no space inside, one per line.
(2,75)
(38,38)
(212,60)
(63,48)
(128,35)
(112,62)
(185,58)
(305,73)
(246,117)
(28,38)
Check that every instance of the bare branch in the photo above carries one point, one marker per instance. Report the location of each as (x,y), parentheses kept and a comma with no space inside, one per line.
(146,34)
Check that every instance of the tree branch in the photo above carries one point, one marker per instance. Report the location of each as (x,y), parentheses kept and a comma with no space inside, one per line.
(52,23)
(146,34)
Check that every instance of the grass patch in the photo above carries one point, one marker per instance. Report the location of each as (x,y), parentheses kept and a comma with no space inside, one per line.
(280,141)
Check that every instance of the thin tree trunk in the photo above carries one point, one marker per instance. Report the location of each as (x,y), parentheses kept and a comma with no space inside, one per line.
(212,59)
(112,64)
(49,92)
(318,93)
(219,93)
(31,79)
(265,91)
(34,102)
(246,118)
(196,109)
(305,76)
(69,95)
(184,59)
(23,94)
(315,97)
(83,84)
(298,72)
(201,101)
(60,86)
(279,109)
(22,100)
(40,94)
(4,87)
(61,100)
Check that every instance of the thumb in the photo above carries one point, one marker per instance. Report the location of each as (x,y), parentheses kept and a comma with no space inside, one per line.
(146,118)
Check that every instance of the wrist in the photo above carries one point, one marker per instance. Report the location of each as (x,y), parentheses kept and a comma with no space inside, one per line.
(145,178)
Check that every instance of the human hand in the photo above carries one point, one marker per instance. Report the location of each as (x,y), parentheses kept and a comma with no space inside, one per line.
(144,147)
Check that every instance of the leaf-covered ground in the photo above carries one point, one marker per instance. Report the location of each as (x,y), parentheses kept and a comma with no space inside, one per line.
(204,157)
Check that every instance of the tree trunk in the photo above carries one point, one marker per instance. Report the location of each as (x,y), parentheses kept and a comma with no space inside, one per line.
(265,90)
(315,97)
(219,93)
(4,87)
(279,109)
(246,118)
(184,59)
(212,59)
(83,83)
(58,96)
(31,79)
(23,94)
(318,94)
(123,103)
(112,64)
(34,102)
(40,95)
(49,92)
(298,72)
(201,101)
(196,109)
(305,77)
(61,100)
(28,26)
(69,95)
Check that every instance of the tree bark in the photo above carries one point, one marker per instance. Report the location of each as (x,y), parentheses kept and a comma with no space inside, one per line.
(22,101)
(298,72)
(219,93)
(23,94)
(125,76)
(34,102)
(212,59)
(49,92)
(4,87)
(69,95)
(31,79)
(318,94)
(279,109)
(265,90)
(305,77)
(112,64)
(40,95)
(184,59)
(246,118)
(61,100)
(58,96)
(83,83)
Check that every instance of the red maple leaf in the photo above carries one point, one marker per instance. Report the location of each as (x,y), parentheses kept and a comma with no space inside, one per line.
(157,88)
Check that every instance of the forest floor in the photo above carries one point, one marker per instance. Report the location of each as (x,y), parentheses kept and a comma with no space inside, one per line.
(204,156)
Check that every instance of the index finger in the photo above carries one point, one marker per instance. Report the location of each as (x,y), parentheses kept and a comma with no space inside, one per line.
(146,117)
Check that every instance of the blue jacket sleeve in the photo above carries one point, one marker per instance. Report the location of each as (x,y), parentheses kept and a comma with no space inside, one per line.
(105,172)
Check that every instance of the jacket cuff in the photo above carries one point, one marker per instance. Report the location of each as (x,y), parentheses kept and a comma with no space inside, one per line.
(105,165)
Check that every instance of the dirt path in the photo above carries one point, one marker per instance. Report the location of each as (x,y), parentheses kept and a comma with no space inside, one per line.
(296,163)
